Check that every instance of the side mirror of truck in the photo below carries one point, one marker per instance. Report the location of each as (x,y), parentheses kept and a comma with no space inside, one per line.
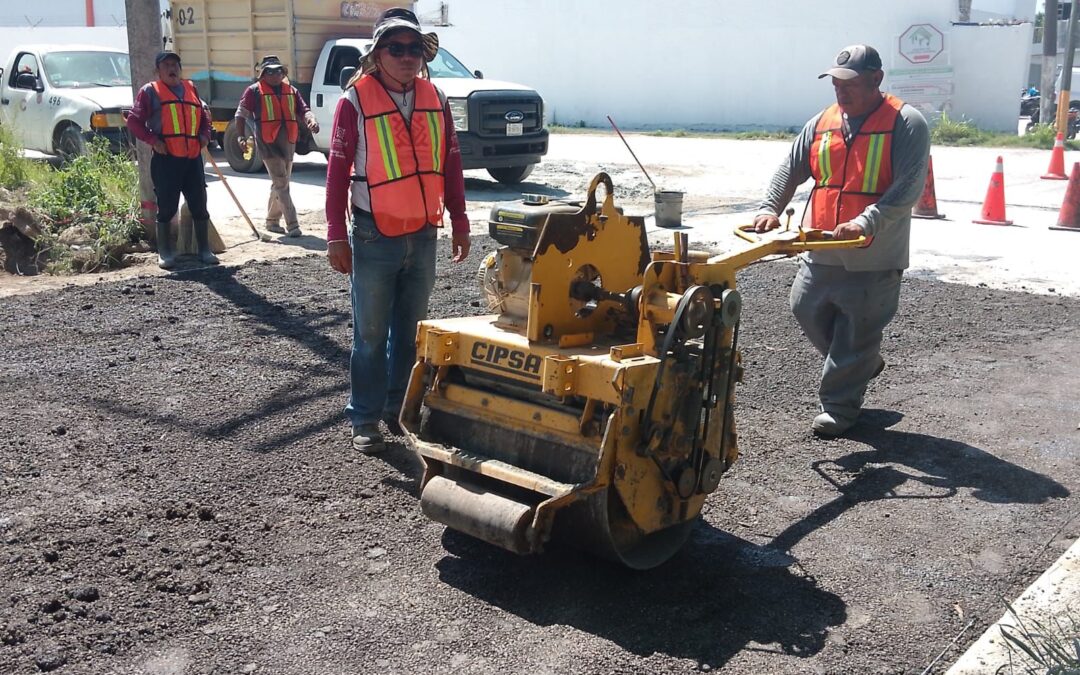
(478,74)
(28,81)
(346,74)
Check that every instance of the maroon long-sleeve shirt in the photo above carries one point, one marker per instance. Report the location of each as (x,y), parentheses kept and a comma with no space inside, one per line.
(144,122)
(344,138)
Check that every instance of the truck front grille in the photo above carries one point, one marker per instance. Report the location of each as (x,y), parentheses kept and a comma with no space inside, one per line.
(492,107)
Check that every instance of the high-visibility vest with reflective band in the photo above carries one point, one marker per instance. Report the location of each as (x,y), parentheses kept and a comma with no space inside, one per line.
(405,160)
(278,108)
(180,119)
(850,177)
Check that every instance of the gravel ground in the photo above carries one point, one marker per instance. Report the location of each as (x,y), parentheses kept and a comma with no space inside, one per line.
(177,495)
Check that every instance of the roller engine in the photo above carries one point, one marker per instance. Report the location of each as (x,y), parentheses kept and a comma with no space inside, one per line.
(595,404)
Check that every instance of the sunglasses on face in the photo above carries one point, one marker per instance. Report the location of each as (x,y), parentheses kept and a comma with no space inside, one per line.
(399,49)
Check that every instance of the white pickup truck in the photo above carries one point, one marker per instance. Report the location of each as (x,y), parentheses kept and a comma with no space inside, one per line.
(500,125)
(55,97)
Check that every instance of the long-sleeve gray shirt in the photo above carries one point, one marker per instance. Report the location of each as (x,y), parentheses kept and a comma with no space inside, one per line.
(889,219)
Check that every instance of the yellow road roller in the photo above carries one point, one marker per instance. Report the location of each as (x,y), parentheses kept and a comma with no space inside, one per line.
(595,403)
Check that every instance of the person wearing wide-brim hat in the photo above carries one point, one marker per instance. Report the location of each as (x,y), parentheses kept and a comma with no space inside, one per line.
(275,108)
(395,165)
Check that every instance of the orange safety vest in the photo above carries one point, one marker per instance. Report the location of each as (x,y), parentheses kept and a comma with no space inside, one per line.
(849,178)
(277,108)
(405,160)
(180,119)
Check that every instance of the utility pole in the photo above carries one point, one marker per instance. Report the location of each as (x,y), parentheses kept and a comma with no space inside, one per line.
(1049,60)
(144,42)
(1066,72)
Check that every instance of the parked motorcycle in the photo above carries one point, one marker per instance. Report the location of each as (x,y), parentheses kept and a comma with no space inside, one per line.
(1071,128)
(1029,102)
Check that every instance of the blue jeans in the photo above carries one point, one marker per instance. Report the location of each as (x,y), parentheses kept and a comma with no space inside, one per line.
(392,279)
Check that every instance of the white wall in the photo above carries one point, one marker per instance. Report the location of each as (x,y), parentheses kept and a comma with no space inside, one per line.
(1024,10)
(686,63)
(988,80)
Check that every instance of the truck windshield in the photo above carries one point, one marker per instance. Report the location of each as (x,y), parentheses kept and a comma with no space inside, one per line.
(76,70)
(445,65)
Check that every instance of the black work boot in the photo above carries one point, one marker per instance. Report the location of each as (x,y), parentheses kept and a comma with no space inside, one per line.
(202,238)
(166,260)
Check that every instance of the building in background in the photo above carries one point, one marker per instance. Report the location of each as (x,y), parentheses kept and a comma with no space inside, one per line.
(700,64)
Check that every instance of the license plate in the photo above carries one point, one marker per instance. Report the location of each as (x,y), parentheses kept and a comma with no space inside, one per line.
(514,128)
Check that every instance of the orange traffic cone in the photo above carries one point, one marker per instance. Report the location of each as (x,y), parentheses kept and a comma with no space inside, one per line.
(927,206)
(1069,218)
(993,210)
(1057,160)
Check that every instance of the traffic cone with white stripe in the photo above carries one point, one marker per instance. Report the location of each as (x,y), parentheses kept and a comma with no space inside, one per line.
(927,205)
(1057,160)
(993,209)
(1069,217)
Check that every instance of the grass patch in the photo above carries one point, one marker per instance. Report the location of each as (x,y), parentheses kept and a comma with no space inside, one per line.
(15,170)
(963,133)
(92,206)
(1044,649)
(86,212)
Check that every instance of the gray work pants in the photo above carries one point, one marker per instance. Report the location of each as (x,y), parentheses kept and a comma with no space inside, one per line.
(843,315)
(281,203)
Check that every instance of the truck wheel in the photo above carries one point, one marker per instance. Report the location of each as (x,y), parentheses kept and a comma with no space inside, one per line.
(235,156)
(71,143)
(511,175)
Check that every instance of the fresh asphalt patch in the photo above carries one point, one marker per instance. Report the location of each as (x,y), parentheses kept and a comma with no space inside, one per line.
(178,494)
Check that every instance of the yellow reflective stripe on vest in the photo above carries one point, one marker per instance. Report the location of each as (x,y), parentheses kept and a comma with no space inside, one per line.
(387,148)
(193,130)
(268,107)
(290,109)
(873,163)
(436,140)
(176,128)
(825,158)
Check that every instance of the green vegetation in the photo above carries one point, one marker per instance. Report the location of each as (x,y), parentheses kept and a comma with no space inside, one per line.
(1048,650)
(15,170)
(963,133)
(86,211)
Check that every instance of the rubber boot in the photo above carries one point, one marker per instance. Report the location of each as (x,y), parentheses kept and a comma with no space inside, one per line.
(202,238)
(166,259)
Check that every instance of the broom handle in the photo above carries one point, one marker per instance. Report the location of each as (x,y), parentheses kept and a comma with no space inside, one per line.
(631,152)
(224,182)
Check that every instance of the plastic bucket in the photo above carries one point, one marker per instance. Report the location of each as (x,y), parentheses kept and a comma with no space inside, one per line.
(668,208)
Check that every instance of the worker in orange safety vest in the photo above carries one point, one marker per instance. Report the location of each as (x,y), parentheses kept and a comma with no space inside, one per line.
(867,155)
(169,116)
(395,166)
(275,109)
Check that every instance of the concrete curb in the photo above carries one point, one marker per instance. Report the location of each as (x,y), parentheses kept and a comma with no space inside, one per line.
(1053,594)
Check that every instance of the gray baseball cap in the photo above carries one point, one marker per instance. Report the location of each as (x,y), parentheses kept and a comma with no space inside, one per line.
(853,61)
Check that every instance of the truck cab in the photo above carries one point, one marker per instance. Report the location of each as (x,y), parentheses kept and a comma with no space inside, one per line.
(56,97)
(499,125)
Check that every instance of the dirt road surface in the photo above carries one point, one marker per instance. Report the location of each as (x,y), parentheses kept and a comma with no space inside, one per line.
(177,495)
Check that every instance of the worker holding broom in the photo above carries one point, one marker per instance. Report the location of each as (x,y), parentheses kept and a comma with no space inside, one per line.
(169,116)
(275,108)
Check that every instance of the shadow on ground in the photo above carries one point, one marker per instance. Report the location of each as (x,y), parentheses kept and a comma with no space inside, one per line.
(941,467)
(718,596)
